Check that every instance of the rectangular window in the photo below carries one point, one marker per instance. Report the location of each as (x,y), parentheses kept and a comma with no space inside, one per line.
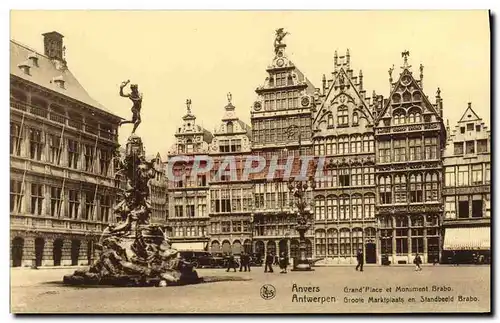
(430,148)
(74,204)
(477,174)
(15,139)
(458,148)
(104,161)
(487,175)
(105,204)
(55,201)
(190,207)
(399,150)
(415,148)
(226,226)
(36,199)
(344,177)
(477,207)
(36,144)
(89,158)
(89,206)
(469,147)
(463,207)
(463,175)
(73,154)
(470,127)
(237,226)
(450,176)
(178,207)
(385,152)
(450,208)
(482,146)
(16,196)
(55,149)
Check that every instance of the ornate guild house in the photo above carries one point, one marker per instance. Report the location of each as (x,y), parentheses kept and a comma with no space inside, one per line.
(62,143)
(231,197)
(467,197)
(344,200)
(189,220)
(409,142)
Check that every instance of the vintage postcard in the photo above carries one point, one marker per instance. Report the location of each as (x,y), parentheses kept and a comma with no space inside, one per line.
(250,162)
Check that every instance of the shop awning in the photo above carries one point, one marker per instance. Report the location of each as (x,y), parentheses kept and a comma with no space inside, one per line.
(191,246)
(467,238)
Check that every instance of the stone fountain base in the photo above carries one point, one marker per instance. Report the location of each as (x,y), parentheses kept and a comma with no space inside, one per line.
(136,261)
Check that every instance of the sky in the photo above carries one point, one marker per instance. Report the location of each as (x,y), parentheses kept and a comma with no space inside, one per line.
(203,55)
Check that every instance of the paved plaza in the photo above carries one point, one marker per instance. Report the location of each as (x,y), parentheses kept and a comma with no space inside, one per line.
(326,290)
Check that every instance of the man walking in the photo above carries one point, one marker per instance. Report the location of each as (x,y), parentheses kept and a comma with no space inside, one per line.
(231,263)
(244,262)
(269,262)
(417,261)
(359,257)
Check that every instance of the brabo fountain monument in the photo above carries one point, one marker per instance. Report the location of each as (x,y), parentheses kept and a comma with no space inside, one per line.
(134,252)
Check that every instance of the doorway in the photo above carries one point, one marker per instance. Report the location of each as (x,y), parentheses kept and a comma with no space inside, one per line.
(75,252)
(371,253)
(39,246)
(17,251)
(57,252)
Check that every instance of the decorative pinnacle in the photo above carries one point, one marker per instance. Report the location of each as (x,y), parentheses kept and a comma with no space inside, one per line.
(405,55)
(188,104)
(421,70)
(390,72)
(469,104)
(438,92)
(229,97)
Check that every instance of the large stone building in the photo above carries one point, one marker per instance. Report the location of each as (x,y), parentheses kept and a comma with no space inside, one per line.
(345,197)
(61,172)
(281,120)
(231,196)
(382,185)
(467,199)
(188,220)
(409,141)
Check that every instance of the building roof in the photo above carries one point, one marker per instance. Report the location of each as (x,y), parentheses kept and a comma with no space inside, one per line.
(46,73)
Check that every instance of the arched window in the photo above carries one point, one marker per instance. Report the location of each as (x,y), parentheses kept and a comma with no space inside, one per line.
(355,119)
(330,121)
(345,242)
(411,118)
(368,143)
(343,145)
(355,144)
(369,201)
(320,237)
(431,187)
(230,127)
(418,117)
(357,240)
(344,207)
(357,207)
(332,207)
(385,190)
(319,208)
(342,116)
(416,191)
(333,242)
(400,189)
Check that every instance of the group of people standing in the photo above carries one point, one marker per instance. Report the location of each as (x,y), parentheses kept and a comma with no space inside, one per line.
(271,259)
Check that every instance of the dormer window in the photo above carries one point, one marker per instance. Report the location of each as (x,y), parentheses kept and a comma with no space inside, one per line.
(33,59)
(25,67)
(59,81)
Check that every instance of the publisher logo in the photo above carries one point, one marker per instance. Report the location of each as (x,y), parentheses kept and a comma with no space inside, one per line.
(267,292)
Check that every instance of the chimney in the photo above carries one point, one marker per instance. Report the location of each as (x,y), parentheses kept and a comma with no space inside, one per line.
(53,45)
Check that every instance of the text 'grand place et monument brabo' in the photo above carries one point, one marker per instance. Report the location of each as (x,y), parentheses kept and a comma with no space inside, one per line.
(321,175)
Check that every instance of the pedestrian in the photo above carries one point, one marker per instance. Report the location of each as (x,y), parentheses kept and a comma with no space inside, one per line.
(231,263)
(247,262)
(244,262)
(359,257)
(417,261)
(283,263)
(269,262)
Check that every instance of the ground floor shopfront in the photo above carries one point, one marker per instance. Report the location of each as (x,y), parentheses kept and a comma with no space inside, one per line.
(466,244)
(36,248)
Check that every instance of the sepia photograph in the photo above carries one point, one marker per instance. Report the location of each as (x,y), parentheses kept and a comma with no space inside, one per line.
(250,162)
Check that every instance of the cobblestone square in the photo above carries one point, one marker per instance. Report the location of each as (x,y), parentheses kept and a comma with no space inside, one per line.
(326,290)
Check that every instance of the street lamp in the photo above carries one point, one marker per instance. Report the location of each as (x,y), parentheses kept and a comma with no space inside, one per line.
(298,190)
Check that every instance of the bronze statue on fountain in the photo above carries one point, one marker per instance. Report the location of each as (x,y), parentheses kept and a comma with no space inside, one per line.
(134,252)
